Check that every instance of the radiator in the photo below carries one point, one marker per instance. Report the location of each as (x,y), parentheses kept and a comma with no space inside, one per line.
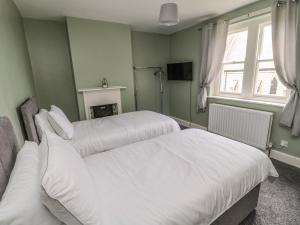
(252,127)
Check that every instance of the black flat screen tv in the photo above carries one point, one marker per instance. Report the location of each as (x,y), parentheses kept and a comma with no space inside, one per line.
(180,71)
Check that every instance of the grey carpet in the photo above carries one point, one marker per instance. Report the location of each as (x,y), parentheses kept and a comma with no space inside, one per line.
(279,202)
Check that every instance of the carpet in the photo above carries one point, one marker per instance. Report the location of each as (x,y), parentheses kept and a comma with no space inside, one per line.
(279,202)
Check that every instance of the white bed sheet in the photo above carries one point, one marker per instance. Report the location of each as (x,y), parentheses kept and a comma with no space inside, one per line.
(189,177)
(94,136)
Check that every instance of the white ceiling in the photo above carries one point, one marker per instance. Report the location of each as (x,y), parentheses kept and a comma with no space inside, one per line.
(142,15)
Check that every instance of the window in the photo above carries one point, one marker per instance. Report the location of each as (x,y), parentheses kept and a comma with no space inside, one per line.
(248,67)
(234,61)
(267,82)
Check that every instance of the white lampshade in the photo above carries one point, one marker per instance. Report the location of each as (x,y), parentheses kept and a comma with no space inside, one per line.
(168,14)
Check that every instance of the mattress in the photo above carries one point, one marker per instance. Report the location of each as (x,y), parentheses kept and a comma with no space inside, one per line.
(189,177)
(98,135)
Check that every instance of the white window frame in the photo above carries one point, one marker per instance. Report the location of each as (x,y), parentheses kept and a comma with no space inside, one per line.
(251,63)
(234,62)
(217,83)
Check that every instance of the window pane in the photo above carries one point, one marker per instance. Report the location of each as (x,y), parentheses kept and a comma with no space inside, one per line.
(266,50)
(232,78)
(236,47)
(267,82)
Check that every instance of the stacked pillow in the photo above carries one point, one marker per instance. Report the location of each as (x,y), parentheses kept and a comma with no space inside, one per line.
(50,184)
(67,187)
(21,203)
(60,123)
(42,123)
(52,175)
(54,121)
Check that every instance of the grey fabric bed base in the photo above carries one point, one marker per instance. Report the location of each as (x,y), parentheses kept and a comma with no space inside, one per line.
(240,210)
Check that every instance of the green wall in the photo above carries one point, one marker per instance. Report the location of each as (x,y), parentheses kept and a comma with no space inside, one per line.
(51,65)
(101,49)
(16,82)
(150,50)
(185,45)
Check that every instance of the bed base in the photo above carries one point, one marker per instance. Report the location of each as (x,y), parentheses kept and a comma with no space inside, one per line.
(240,210)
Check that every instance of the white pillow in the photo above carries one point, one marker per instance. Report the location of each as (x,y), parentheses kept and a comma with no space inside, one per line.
(21,203)
(42,123)
(60,123)
(67,187)
(57,109)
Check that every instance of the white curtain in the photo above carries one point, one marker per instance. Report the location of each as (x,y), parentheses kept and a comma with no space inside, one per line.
(286,50)
(213,46)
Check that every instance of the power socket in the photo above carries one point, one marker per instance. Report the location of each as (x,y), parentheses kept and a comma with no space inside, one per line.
(284,143)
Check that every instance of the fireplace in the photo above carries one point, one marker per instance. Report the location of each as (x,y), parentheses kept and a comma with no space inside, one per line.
(100,102)
(99,111)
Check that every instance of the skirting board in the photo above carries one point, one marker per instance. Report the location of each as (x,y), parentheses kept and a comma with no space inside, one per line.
(285,158)
(186,123)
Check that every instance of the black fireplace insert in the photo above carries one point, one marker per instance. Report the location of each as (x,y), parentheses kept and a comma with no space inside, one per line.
(104,110)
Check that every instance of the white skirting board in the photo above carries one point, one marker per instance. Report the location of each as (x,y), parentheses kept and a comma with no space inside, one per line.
(186,123)
(285,158)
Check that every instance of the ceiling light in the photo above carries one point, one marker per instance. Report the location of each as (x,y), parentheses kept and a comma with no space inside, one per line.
(168,14)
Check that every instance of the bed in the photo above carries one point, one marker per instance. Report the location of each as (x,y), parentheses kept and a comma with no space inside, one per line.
(189,177)
(97,135)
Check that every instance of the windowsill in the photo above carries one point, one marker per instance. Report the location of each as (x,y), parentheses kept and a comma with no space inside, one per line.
(276,104)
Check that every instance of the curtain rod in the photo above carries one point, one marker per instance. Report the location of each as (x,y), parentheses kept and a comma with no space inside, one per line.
(146,67)
(283,2)
(247,16)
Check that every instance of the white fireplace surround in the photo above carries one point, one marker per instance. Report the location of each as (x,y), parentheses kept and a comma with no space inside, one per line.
(101,96)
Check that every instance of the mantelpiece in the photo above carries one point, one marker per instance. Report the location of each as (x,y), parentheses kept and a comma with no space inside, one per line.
(101,96)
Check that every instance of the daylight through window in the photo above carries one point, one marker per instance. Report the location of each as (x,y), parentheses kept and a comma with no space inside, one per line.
(248,70)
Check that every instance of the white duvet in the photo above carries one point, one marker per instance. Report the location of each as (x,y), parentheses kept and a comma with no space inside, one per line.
(94,136)
(188,177)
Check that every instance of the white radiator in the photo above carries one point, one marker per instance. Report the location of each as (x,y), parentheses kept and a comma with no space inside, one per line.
(249,126)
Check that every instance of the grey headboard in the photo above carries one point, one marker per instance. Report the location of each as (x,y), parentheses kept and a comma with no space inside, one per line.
(8,152)
(28,110)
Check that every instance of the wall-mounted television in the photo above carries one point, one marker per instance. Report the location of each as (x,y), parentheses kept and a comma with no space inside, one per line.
(180,71)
